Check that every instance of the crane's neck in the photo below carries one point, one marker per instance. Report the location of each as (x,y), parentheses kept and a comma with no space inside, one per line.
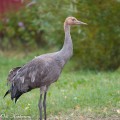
(67,49)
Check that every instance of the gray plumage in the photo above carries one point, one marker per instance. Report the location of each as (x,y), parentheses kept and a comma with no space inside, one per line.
(42,71)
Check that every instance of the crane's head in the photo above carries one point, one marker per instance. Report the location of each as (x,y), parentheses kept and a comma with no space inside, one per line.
(73,21)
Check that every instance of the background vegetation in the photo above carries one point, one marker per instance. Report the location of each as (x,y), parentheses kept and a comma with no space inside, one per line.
(96,46)
(79,95)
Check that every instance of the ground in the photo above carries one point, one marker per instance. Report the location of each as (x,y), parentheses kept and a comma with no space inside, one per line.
(77,95)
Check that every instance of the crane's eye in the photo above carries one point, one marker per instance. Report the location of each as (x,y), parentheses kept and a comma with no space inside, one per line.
(73,19)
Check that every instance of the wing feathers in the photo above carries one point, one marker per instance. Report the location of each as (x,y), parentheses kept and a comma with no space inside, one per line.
(35,73)
(12,73)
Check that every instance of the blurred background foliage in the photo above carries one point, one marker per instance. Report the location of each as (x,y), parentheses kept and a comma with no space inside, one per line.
(96,46)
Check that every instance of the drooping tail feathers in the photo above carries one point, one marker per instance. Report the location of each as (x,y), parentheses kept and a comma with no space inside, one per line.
(16,89)
(15,93)
(6,93)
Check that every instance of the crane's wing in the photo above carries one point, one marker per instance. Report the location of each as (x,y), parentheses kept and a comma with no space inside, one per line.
(33,71)
(12,73)
(27,77)
(34,74)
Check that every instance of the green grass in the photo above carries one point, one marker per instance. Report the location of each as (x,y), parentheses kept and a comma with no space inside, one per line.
(88,93)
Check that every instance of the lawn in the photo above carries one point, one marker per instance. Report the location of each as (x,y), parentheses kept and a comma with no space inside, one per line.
(77,95)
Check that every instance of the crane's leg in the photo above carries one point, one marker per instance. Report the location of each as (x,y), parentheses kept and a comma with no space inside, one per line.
(40,106)
(44,105)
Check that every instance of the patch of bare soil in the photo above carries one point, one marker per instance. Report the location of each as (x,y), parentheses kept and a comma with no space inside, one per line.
(76,115)
(83,118)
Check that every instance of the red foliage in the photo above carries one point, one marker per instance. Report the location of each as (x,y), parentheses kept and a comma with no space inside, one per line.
(9,6)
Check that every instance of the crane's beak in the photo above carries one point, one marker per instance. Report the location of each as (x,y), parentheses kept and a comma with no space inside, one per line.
(81,23)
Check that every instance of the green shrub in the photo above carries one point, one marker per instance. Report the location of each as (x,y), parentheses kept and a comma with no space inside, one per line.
(97,46)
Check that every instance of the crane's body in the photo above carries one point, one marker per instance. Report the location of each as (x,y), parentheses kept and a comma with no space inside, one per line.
(43,70)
